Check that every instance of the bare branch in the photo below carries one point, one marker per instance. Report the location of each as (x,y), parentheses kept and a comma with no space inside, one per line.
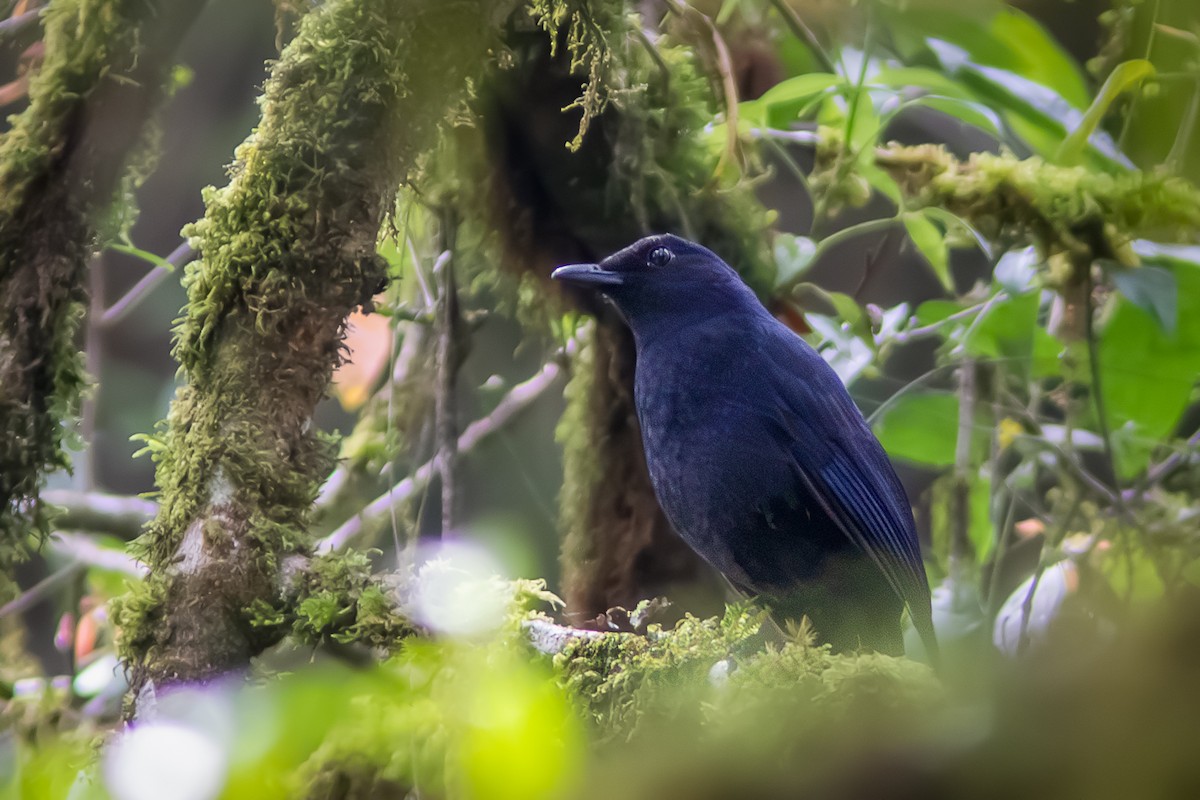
(83,550)
(95,511)
(13,25)
(149,282)
(519,398)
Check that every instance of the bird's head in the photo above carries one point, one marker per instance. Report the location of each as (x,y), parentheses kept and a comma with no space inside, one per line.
(664,279)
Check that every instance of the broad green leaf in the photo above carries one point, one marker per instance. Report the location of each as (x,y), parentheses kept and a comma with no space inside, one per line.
(1152,289)
(1027,49)
(1035,113)
(921,427)
(932,311)
(1124,77)
(972,113)
(1008,40)
(1006,331)
(921,77)
(930,240)
(1130,571)
(1149,373)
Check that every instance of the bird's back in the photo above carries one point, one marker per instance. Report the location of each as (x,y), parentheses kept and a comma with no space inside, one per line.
(764,465)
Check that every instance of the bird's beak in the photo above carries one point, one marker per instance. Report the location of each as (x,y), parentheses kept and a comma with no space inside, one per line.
(587,275)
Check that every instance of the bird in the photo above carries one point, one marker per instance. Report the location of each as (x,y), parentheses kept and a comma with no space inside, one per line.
(758,456)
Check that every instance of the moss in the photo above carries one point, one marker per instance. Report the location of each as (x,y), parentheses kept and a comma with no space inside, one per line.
(341,600)
(1072,214)
(287,250)
(581,469)
(716,672)
(81,144)
(585,28)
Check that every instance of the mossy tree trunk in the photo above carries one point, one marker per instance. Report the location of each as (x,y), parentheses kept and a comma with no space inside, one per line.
(64,165)
(287,250)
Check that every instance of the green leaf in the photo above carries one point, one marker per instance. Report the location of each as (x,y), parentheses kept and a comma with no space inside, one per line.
(932,243)
(1007,331)
(1037,114)
(793,257)
(921,77)
(780,105)
(1006,39)
(1148,373)
(1124,77)
(1016,272)
(1152,289)
(921,427)
(975,114)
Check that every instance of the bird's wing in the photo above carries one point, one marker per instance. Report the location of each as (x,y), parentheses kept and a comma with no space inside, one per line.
(845,469)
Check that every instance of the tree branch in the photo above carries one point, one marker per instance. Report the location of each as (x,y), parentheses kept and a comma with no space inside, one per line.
(519,398)
(64,159)
(105,513)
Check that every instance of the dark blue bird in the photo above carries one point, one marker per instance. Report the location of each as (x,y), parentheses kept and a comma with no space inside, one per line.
(758,456)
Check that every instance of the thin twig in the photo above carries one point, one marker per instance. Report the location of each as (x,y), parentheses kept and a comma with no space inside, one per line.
(84,550)
(724,63)
(519,398)
(149,282)
(402,369)
(38,592)
(1174,160)
(805,34)
(933,328)
(1093,347)
(445,411)
(1051,542)
(960,539)
(1169,464)
(806,138)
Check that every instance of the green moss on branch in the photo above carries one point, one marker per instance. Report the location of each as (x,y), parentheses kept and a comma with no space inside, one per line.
(1073,215)
(287,250)
(717,671)
(62,165)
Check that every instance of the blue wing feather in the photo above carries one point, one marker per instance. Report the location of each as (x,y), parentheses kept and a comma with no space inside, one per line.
(845,468)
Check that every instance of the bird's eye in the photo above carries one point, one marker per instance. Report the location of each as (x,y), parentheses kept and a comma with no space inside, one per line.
(660,257)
